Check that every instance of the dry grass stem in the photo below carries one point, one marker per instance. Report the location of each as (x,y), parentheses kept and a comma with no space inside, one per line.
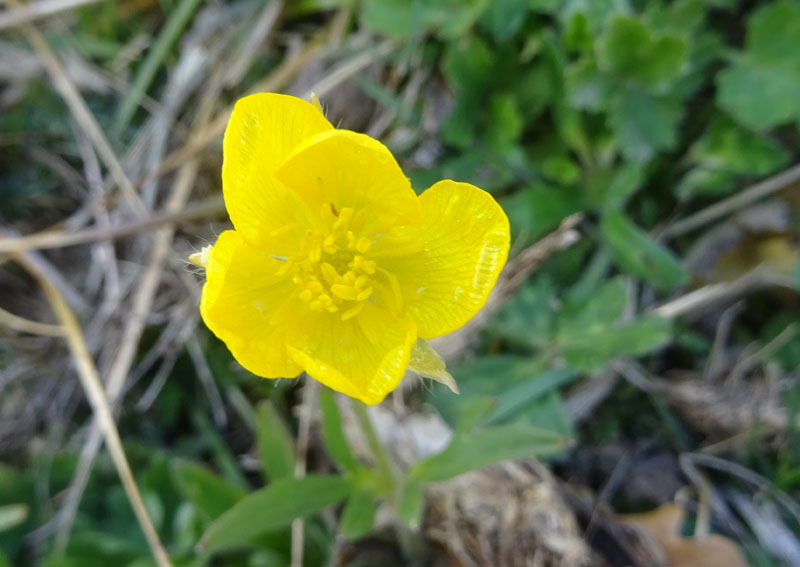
(90,380)
(306,413)
(276,79)
(352,66)
(60,239)
(735,202)
(82,114)
(697,301)
(32,11)
(27,326)
(142,302)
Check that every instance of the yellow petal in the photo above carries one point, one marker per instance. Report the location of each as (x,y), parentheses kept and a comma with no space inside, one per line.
(447,275)
(263,131)
(352,171)
(364,357)
(248,305)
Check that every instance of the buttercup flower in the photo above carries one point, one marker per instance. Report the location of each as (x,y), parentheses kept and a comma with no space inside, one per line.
(336,267)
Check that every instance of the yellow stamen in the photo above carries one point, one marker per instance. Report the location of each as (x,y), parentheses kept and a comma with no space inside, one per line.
(329,273)
(345,292)
(364,294)
(363,244)
(344,218)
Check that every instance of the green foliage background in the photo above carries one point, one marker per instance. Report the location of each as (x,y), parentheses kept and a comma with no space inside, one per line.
(633,113)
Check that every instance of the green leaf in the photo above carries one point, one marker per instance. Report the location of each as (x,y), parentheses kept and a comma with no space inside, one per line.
(724,152)
(596,12)
(637,253)
(274,506)
(473,411)
(759,96)
(561,169)
(577,35)
(627,179)
(587,87)
(177,21)
(12,515)
(629,49)
(505,121)
(333,434)
(358,515)
(394,18)
(624,45)
(773,30)
(402,19)
(484,447)
(727,146)
(469,68)
(516,398)
(603,307)
(664,61)
(594,347)
(644,123)
(540,208)
(275,445)
(504,18)
(210,494)
(410,501)
(761,89)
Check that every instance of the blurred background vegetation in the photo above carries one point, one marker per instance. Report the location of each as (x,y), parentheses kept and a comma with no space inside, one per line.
(642,344)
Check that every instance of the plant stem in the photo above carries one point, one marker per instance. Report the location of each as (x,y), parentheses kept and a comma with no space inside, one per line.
(410,544)
(378,451)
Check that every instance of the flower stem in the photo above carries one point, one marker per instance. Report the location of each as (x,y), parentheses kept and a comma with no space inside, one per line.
(378,451)
(409,542)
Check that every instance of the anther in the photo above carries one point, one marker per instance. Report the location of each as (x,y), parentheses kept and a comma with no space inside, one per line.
(368,267)
(363,244)
(329,273)
(344,218)
(345,292)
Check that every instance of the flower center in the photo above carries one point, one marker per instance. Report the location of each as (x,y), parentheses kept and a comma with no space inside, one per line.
(335,274)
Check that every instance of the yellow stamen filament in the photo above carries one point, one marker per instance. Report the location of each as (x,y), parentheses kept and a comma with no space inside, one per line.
(334,274)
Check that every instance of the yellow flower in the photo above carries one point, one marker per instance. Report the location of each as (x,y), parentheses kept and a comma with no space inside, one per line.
(336,267)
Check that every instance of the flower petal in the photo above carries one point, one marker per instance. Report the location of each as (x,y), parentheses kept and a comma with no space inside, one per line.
(352,170)
(249,306)
(463,246)
(364,357)
(263,131)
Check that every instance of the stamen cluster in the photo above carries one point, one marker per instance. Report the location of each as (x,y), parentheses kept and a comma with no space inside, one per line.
(334,275)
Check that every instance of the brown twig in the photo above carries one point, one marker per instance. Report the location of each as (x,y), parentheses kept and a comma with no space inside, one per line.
(61,239)
(731,204)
